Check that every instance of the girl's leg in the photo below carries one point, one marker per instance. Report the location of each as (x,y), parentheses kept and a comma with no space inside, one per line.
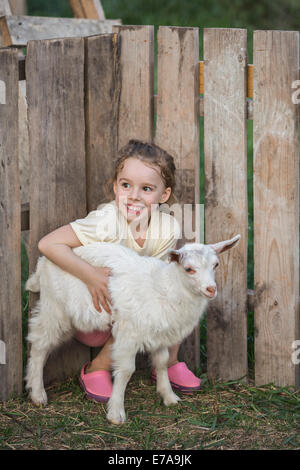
(103,360)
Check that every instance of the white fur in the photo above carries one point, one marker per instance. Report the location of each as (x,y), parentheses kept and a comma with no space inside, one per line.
(155,305)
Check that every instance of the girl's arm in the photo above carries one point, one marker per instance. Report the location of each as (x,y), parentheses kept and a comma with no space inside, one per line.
(57,247)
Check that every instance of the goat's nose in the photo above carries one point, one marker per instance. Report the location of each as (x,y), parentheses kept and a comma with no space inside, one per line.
(211,290)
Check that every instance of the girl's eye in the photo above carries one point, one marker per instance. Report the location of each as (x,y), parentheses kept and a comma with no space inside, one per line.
(147,189)
(125,185)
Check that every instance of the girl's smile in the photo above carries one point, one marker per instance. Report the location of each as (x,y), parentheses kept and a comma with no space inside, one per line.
(138,187)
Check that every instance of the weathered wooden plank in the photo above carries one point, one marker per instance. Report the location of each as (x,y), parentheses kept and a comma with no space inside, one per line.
(136,94)
(177,126)
(18,30)
(91,9)
(18,7)
(55,94)
(24,158)
(226,209)
(10,230)
(77,8)
(5,7)
(276,206)
(135,114)
(102,105)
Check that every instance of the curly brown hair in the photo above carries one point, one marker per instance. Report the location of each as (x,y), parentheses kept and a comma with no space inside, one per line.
(148,153)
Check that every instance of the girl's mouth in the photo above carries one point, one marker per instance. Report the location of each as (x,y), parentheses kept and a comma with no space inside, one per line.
(132,209)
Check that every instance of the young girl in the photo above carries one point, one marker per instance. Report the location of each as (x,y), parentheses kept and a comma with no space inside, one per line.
(144,178)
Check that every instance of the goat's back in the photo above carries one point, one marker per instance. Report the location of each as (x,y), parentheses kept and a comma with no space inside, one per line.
(120,259)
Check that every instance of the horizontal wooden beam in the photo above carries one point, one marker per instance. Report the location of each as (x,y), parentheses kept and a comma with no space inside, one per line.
(18,30)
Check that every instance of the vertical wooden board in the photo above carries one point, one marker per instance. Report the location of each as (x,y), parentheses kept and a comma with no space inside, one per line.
(10,230)
(77,8)
(226,209)
(101,108)
(18,7)
(55,94)
(136,103)
(276,206)
(136,94)
(177,127)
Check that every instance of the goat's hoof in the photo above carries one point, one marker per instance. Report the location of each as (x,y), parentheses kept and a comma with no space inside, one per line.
(171,399)
(116,417)
(39,398)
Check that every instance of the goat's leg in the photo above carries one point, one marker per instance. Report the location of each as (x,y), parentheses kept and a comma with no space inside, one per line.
(34,375)
(44,336)
(123,357)
(160,359)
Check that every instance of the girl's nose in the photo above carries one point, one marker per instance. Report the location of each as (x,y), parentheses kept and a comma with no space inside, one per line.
(135,193)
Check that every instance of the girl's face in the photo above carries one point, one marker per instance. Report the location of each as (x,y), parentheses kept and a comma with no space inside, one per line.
(137,187)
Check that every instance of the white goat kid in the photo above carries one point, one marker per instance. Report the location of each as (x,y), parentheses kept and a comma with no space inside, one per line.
(155,305)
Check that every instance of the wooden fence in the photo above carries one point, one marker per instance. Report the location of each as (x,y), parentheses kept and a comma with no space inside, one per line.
(87,97)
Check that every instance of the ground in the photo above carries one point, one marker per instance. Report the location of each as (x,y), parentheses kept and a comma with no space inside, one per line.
(220,416)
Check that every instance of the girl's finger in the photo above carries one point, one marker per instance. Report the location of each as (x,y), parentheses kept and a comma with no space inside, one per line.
(96,303)
(107,296)
(105,305)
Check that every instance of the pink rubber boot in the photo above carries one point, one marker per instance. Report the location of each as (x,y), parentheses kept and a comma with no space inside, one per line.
(181,378)
(96,385)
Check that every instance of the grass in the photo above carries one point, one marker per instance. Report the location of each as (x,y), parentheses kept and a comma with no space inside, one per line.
(221,416)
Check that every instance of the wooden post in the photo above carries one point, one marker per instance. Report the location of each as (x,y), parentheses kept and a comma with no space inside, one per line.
(10,230)
(55,93)
(276,206)
(136,94)
(226,209)
(5,7)
(18,7)
(102,105)
(135,110)
(91,9)
(177,128)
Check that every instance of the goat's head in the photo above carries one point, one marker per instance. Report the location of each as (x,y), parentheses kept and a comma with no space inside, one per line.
(198,263)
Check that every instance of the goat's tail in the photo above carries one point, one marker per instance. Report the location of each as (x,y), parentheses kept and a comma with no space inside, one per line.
(33,282)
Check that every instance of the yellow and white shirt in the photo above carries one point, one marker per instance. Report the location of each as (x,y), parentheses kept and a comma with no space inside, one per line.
(107,224)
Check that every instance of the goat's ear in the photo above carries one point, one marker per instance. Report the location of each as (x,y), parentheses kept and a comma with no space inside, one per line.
(225,245)
(175,255)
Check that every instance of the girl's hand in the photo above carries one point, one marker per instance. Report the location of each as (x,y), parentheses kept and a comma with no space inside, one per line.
(98,288)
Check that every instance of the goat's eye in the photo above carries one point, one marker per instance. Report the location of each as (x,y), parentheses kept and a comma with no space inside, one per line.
(216,265)
(190,270)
